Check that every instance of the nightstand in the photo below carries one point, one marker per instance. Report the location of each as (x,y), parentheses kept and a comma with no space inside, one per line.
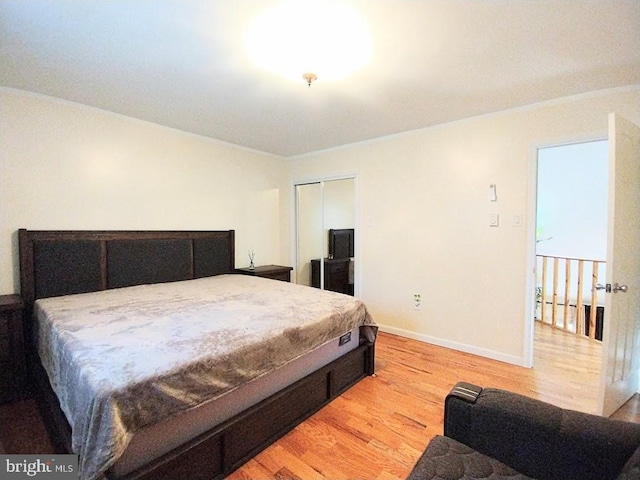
(13,372)
(274,272)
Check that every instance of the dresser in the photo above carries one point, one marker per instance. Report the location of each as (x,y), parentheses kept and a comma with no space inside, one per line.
(336,274)
(13,373)
(274,272)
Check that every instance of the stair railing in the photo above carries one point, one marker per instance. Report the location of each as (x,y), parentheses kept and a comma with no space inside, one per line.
(567,297)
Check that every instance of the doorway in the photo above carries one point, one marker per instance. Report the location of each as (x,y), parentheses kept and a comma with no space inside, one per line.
(325,215)
(571,235)
(570,253)
(618,375)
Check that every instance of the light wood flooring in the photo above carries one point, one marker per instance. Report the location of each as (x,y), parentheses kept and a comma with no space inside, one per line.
(379,427)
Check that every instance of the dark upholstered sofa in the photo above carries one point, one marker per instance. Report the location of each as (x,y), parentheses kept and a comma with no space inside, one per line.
(494,434)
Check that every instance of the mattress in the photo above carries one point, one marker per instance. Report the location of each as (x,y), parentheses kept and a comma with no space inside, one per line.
(124,359)
(155,440)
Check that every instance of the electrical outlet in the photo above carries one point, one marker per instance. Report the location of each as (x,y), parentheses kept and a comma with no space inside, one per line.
(417,301)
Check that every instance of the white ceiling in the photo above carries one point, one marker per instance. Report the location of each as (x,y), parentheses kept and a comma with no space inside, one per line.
(182,64)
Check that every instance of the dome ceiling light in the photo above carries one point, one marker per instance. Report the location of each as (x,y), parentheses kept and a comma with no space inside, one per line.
(309,77)
(312,38)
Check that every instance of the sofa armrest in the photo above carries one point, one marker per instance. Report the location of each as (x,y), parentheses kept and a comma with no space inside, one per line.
(538,439)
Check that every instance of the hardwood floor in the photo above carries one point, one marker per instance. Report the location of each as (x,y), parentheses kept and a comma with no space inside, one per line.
(379,428)
(566,369)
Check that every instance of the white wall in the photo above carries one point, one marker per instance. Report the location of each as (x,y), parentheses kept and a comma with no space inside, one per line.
(66,166)
(424,209)
(339,205)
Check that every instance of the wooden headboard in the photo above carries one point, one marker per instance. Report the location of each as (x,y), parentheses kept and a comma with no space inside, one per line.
(63,262)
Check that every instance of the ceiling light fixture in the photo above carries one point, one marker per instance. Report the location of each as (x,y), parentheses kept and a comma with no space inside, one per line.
(309,77)
(326,37)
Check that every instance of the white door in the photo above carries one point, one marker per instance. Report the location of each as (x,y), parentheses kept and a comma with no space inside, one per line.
(620,349)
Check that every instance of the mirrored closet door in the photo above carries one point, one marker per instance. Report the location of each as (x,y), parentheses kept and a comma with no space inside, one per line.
(325,234)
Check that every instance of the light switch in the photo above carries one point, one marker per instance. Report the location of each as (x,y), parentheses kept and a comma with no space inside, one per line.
(516,221)
(493,195)
(494,219)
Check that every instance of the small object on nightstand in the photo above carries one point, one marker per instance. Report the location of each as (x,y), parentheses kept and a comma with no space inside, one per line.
(274,272)
(13,372)
(252,255)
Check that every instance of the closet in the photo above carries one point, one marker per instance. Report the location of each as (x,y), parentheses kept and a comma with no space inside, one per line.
(325,234)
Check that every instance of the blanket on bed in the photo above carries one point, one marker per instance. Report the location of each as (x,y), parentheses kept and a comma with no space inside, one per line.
(125,358)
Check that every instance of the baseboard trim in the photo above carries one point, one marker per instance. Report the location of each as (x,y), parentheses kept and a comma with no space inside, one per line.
(461,347)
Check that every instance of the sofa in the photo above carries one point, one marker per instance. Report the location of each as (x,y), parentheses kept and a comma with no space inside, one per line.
(495,434)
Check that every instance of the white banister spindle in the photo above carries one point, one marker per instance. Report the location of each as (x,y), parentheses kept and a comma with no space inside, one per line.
(571,297)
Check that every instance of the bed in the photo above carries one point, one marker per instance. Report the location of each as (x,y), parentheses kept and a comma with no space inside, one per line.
(71,279)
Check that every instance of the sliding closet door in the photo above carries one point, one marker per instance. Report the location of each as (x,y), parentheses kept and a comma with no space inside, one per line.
(322,207)
(309,229)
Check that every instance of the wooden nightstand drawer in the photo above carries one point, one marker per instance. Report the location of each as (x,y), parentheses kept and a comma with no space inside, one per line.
(5,347)
(274,272)
(336,274)
(338,268)
(6,379)
(11,386)
(282,276)
(13,375)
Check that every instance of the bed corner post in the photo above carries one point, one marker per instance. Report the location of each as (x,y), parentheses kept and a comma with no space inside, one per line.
(232,253)
(25,255)
(370,359)
(27,292)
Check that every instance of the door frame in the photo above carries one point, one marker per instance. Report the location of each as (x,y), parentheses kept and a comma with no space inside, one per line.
(358,224)
(532,204)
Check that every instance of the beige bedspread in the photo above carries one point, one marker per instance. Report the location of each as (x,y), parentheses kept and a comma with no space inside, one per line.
(125,358)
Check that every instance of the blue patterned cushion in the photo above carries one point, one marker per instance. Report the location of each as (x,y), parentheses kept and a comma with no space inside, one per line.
(448,459)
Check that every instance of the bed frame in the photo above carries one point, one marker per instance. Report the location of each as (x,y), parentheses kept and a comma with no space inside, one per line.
(54,263)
